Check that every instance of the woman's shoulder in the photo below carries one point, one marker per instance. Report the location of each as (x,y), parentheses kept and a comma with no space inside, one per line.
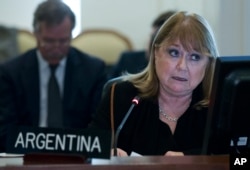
(125,90)
(125,87)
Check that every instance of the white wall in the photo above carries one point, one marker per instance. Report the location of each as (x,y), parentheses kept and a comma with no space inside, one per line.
(133,18)
(18,13)
(246,27)
(232,23)
(228,18)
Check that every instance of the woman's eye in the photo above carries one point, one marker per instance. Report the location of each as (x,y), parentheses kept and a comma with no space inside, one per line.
(173,52)
(195,57)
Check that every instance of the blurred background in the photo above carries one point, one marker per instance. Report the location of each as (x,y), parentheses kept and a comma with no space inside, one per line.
(133,18)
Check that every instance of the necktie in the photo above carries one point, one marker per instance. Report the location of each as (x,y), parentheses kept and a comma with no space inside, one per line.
(55,117)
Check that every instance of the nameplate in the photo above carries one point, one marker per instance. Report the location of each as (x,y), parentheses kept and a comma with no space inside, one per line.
(88,142)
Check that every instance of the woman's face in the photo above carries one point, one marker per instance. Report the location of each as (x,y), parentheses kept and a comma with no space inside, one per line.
(179,71)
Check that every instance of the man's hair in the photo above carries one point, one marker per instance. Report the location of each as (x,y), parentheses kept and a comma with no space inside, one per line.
(52,12)
(162,18)
(157,23)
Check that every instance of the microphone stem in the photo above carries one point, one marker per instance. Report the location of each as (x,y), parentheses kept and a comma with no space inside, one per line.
(120,127)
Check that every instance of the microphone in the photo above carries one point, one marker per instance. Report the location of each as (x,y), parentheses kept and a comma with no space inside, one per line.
(135,102)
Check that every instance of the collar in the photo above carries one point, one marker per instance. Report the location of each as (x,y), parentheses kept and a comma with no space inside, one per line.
(43,64)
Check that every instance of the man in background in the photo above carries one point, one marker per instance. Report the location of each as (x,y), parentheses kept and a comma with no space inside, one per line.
(53,85)
(135,61)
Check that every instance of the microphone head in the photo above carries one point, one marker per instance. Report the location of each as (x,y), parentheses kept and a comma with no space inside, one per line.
(136,100)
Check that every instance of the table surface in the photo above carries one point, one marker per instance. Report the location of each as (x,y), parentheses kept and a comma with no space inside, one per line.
(145,162)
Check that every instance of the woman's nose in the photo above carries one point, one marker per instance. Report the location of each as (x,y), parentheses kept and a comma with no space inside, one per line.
(182,63)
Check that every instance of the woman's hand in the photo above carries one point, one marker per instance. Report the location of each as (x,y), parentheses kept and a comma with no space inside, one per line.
(173,153)
(120,152)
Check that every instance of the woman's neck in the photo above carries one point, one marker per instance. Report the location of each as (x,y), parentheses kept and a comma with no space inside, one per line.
(174,106)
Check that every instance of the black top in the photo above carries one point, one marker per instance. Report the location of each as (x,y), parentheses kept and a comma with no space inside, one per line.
(144,132)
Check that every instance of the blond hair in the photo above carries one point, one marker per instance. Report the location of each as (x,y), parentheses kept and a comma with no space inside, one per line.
(193,32)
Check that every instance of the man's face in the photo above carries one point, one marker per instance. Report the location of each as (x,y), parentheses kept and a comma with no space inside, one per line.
(54,41)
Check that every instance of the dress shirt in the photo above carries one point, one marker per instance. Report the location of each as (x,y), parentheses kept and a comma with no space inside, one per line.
(44,74)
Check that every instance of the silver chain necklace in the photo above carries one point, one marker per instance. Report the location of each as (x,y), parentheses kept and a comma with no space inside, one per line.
(172,119)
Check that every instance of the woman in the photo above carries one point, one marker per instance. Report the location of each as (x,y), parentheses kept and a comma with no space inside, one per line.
(174,92)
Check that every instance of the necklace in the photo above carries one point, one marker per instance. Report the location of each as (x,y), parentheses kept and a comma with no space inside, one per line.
(172,119)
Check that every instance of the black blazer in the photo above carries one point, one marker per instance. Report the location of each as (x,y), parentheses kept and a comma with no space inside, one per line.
(19,90)
(132,62)
(144,132)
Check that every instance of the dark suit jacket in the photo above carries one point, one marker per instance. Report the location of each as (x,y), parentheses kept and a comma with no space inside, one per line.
(132,62)
(19,90)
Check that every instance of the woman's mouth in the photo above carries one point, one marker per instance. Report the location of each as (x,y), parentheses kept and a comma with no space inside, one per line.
(179,78)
